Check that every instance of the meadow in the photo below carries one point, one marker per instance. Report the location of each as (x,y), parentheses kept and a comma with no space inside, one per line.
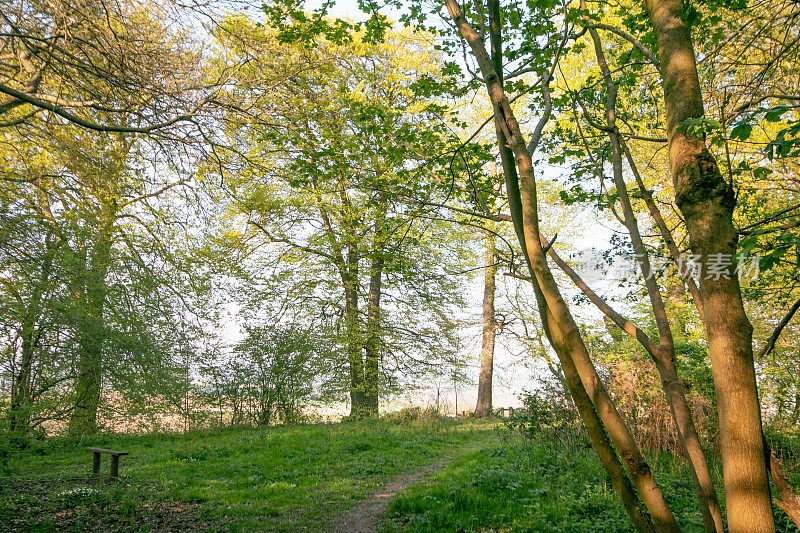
(262,479)
(480,476)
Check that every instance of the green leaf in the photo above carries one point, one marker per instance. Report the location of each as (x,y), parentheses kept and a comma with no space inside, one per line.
(774,115)
(741,132)
(761,172)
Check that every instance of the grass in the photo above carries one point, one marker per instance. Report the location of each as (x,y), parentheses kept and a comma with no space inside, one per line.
(529,485)
(271,479)
(517,485)
(298,478)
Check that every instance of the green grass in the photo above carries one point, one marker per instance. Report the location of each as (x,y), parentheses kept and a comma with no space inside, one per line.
(271,479)
(517,485)
(298,478)
(526,485)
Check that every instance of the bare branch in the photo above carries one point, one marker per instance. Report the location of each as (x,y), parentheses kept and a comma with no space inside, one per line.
(36,102)
(628,37)
(770,344)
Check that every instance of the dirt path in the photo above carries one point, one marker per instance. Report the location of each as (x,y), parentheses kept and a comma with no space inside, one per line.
(367,515)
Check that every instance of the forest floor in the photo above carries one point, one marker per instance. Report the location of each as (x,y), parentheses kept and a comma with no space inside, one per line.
(390,477)
(254,479)
(368,516)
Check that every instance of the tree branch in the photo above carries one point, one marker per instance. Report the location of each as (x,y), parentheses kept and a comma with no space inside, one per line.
(628,37)
(36,102)
(770,344)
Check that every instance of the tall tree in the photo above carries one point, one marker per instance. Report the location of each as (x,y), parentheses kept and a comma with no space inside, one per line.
(555,314)
(483,406)
(329,181)
(707,201)
(662,352)
(92,203)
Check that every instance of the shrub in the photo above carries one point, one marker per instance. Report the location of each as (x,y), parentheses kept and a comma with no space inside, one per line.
(548,414)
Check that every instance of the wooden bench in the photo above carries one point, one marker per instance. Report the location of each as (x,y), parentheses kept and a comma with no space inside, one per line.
(115,455)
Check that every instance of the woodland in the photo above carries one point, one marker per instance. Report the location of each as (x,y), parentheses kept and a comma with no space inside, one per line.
(220,220)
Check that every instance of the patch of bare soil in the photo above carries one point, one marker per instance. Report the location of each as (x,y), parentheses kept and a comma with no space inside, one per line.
(367,516)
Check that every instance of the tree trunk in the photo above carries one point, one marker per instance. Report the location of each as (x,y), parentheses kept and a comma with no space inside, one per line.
(90,367)
(372,342)
(523,203)
(664,354)
(91,328)
(483,406)
(21,390)
(358,397)
(601,444)
(19,412)
(684,273)
(707,202)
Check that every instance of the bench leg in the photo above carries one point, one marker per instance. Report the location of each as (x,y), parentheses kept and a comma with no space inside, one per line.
(114,467)
(96,464)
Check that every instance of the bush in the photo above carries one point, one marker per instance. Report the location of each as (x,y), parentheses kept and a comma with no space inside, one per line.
(414,413)
(548,414)
(270,378)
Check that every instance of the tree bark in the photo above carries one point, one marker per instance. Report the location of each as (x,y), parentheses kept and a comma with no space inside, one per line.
(91,327)
(525,218)
(372,343)
(345,257)
(681,412)
(707,202)
(483,406)
(358,396)
(663,355)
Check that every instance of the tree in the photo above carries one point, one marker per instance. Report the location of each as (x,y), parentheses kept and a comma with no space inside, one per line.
(661,351)
(707,202)
(96,65)
(473,27)
(560,325)
(330,182)
(29,310)
(99,69)
(94,243)
(483,406)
